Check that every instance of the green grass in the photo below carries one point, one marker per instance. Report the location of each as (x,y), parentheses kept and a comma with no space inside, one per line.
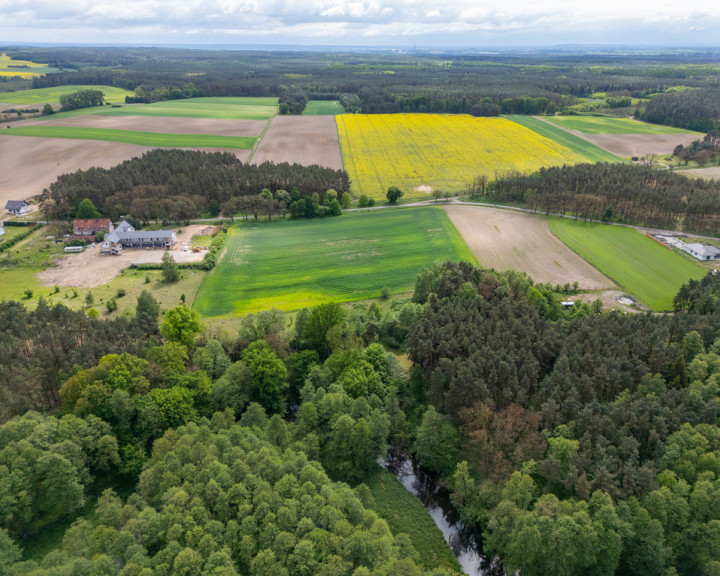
(133,137)
(649,272)
(405,514)
(222,108)
(301,263)
(606,125)
(575,143)
(46,95)
(323,108)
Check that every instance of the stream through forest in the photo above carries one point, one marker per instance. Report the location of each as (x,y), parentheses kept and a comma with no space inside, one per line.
(465,542)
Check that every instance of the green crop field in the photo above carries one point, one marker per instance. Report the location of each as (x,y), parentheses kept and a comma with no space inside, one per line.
(405,514)
(133,137)
(46,95)
(591,152)
(300,263)
(651,273)
(606,125)
(222,108)
(323,108)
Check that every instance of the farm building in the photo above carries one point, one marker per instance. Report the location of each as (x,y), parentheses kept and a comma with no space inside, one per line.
(17,207)
(92,226)
(700,251)
(125,236)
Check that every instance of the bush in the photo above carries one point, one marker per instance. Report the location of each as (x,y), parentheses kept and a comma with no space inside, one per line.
(120,293)
(111,305)
(28,293)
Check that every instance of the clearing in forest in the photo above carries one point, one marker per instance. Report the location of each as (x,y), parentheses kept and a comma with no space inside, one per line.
(302,263)
(323,108)
(421,152)
(510,240)
(644,268)
(305,140)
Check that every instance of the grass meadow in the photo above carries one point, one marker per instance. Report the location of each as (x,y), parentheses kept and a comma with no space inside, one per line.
(444,152)
(405,514)
(134,137)
(590,152)
(649,272)
(323,108)
(607,125)
(46,95)
(302,263)
(226,108)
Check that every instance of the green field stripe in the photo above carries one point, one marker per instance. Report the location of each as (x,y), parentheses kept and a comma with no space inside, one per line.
(46,95)
(590,151)
(323,108)
(646,270)
(133,137)
(608,125)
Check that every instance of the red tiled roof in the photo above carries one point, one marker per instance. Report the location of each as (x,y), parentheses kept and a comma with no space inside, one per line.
(93,225)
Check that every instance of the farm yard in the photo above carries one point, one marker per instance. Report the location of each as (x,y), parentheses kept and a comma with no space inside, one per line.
(626,137)
(303,140)
(650,272)
(421,152)
(510,240)
(297,264)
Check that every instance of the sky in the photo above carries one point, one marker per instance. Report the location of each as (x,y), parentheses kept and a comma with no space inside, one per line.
(403,23)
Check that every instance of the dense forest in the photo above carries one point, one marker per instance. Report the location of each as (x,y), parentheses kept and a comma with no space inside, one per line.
(593,434)
(619,192)
(482,84)
(181,184)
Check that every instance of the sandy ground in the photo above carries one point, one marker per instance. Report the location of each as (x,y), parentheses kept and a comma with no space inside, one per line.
(303,140)
(503,239)
(712,172)
(90,268)
(629,145)
(28,165)
(169,125)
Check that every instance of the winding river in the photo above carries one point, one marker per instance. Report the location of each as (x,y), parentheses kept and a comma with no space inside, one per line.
(465,542)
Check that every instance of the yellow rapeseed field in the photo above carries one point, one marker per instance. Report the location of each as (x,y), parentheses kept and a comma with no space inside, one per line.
(10,67)
(423,152)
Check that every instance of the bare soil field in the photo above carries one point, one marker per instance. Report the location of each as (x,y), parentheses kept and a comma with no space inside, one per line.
(712,172)
(629,145)
(504,240)
(169,125)
(303,140)
(90,268)
(28,165)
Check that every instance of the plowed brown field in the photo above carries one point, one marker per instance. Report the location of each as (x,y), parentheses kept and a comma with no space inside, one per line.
(505,240)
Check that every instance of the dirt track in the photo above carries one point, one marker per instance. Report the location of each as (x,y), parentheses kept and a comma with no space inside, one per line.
(504,240)
(303,140)
(169,125)
(90,268)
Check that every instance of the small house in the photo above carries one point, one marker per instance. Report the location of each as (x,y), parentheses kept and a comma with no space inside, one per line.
(701,251)
(92,226)
(17,207)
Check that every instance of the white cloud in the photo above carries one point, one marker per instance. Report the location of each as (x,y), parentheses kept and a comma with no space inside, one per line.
(349,21)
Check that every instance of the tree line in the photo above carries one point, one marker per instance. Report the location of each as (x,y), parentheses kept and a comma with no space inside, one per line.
(620,192)
(180,184)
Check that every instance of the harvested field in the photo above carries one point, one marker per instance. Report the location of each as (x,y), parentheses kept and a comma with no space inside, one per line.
(28,164)
(504,240)
(712,172)
(90,268)
(303,140)
(629,145)
(170,125)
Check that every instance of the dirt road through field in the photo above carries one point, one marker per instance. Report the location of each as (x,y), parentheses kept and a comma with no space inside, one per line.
(504,240)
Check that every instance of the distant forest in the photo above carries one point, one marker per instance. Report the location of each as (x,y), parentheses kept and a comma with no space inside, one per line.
(618,192)
(180,184)
(386,82)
